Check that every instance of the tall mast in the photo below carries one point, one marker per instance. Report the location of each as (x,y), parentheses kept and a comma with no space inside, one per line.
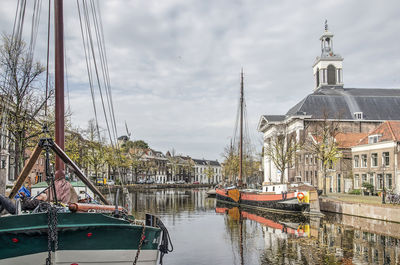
(59,82)
(241,133)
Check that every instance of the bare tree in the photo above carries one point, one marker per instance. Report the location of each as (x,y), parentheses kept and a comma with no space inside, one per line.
(321,141)
(282,149)
(20,85)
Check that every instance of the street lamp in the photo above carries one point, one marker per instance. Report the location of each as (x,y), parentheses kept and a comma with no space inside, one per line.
(383,182)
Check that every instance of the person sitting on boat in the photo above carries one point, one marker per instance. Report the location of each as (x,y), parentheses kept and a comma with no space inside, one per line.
(66,194)
(27,203)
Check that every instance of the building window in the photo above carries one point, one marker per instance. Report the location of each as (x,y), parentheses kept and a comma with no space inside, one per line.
(385,157)
(331,75)
(356,161)
(379,184)
(364,178)
(373,139)
(358,115)
(3,163)
(363,160)
(356,181)
(306,159)
(388,183)
(306,175)
(374,160)
(371,179)
(317,76)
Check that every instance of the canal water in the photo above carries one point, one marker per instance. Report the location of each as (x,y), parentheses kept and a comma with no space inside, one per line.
(206,232)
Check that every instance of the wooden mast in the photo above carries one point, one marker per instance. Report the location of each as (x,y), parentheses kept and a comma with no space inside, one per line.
(241,133)
(59,83)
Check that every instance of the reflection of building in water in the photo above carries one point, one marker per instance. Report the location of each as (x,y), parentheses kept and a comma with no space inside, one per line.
(354,240)
(375,249)
(326,241)
(176,201)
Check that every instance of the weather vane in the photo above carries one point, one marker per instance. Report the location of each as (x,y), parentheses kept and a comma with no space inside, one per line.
(326,25)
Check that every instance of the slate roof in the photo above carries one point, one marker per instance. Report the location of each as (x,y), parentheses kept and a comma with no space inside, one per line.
(342,103)
(204,162)
(272,118)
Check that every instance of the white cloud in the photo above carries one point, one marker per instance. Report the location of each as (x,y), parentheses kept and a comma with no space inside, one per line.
(175,65)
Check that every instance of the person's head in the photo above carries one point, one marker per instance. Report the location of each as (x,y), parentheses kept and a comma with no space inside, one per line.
(42,197)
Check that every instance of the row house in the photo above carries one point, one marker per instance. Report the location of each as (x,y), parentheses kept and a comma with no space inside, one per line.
(356,110)
(376,158)
(180,168)
(207,171)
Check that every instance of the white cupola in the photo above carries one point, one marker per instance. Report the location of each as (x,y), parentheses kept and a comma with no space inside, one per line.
(327,68)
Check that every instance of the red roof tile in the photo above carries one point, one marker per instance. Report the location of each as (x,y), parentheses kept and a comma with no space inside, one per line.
(388,131)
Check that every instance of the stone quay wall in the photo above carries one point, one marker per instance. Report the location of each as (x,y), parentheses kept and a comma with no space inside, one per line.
(139,187)
(379,212)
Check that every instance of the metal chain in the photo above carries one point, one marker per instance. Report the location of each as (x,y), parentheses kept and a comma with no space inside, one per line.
(48,260)
(140,243)
(52,236)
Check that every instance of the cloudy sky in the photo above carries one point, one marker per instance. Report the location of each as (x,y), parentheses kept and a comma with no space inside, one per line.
(175,65)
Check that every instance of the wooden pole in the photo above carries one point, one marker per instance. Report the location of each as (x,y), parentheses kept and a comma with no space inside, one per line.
(64,157)
(240,181)
(25,172)
(59,83)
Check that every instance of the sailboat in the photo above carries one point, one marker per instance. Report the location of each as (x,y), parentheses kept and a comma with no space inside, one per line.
(274,197)
(77,233)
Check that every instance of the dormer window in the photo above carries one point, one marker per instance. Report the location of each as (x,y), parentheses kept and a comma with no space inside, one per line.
(358,115)
(373,139)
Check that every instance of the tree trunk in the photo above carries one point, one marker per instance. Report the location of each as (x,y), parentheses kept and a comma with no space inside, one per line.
(324,180)
(3,179)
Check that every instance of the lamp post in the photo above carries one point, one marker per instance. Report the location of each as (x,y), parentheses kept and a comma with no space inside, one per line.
(383,182)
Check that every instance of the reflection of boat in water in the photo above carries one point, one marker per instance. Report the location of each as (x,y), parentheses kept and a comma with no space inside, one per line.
(297,226)
(211,193)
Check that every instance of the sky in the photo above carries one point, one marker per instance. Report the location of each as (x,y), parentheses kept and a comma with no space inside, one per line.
(175,65)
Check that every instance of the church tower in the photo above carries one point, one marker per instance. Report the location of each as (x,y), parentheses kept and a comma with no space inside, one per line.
(327,68)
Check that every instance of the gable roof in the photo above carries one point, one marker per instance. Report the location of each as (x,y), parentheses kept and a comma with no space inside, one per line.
(388,131)
(347,140)
(344,140)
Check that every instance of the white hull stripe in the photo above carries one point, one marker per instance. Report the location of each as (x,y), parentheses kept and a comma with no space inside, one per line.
(112,257)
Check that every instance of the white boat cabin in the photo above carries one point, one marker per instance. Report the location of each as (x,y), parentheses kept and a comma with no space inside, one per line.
(275,188)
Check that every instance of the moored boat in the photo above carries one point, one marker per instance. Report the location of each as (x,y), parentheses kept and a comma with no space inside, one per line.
(82,238)
(56,233)
(272,197)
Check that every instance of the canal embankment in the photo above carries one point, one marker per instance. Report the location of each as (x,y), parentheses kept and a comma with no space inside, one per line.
(142,187)
(361,207)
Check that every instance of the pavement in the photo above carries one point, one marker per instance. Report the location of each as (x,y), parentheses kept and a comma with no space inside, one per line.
(375,200)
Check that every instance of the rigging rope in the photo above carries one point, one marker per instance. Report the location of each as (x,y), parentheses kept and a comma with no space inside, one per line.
(88,17)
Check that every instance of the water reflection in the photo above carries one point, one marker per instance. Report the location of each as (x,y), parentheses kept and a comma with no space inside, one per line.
(206,232)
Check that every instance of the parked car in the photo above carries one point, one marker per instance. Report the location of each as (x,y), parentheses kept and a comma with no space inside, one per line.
(149,181)
(141,181)
(170,182)
(180,182)
(196,182)
(110,182)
